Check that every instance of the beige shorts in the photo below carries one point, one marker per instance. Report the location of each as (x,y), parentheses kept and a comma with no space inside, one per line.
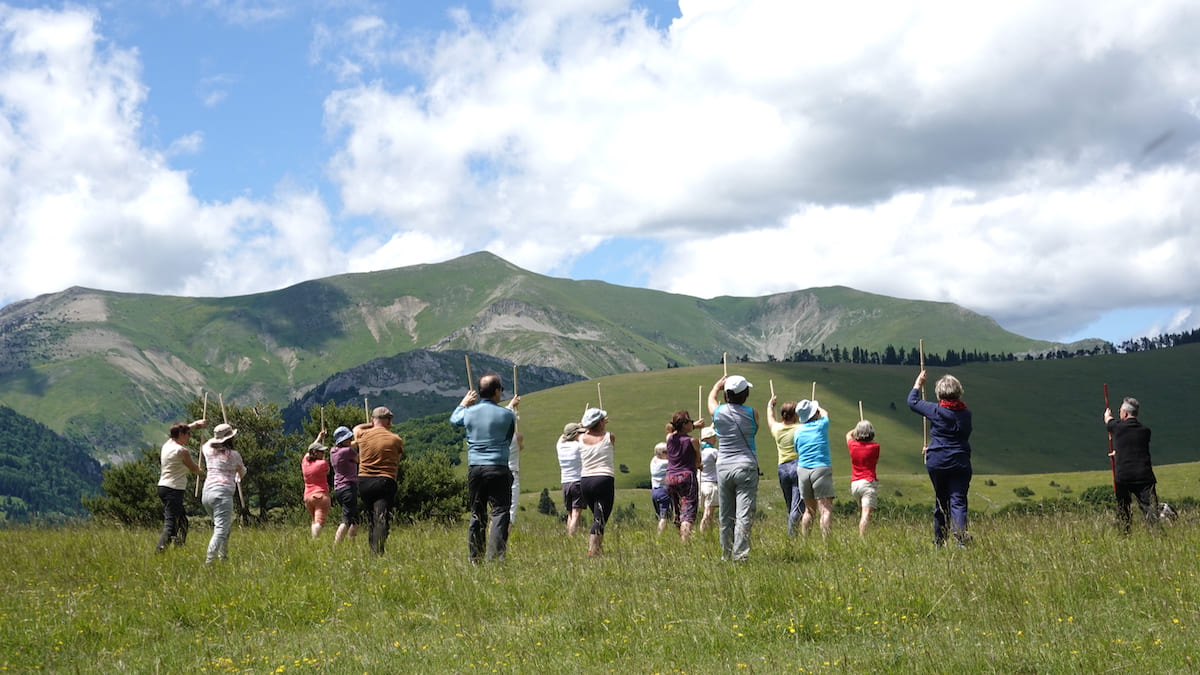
(866,492)
(708,495)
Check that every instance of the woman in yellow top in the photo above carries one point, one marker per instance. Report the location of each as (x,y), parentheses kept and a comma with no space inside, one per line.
(789,483)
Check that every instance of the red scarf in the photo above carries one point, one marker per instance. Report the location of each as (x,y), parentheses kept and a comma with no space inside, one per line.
(952,404)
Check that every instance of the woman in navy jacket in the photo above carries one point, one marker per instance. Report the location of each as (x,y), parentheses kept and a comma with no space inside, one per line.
(948,455)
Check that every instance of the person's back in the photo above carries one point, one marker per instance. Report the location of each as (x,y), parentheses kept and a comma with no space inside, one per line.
(569,463)
(379,452)
(736,426)
(596,457)
(1131,440)
(490,428)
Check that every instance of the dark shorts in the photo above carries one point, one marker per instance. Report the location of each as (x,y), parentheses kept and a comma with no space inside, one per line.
(662,503)
(348,498)
(572,496)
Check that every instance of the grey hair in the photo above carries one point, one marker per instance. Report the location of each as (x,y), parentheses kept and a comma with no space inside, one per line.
(863,431)
(1130,405)
(660,449)
(948,387)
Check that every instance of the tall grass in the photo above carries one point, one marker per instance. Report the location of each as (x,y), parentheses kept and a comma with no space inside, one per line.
(1064,593)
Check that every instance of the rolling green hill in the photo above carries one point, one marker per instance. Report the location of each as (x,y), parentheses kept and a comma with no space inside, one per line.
(1030,417)
(110,369)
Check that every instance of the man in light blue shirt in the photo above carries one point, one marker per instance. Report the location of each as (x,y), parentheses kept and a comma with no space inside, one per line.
(490,428)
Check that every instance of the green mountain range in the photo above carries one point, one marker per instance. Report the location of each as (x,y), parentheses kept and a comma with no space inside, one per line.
(110,370)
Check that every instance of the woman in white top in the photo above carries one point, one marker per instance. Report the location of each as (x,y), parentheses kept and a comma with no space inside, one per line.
(597,481)
(571,471)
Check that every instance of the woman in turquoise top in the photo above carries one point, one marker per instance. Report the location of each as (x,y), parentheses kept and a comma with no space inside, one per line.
(814,466)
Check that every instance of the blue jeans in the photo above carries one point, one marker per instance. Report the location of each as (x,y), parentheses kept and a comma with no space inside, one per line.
(378,494)
(488,485)
(950,495)
(789,483)
(175,520)
(737,487)
(219,504)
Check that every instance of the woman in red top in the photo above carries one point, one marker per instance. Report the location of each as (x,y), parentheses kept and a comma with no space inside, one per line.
(315,468)
(864,454)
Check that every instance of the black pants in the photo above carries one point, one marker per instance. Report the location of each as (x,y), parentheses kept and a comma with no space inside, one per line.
(1147,497)
(378,494)
(488,485)
(175,520)
(599,493)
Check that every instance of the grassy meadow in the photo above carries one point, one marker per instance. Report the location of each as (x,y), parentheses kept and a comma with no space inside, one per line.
(1057,593)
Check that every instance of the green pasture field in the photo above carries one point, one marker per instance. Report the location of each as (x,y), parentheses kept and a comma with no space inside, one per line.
(1057,593)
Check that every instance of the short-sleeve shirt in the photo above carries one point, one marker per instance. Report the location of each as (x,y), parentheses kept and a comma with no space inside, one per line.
(379,453)
(345,466)
(812,444)
(863,458)
(569,464)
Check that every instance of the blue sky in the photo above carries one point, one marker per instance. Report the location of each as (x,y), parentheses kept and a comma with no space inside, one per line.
(1037,162)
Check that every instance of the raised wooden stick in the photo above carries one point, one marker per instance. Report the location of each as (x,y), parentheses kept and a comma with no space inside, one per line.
(725,363)
(221,398)
(813,396)
(470,380)
(366,409)
(860,415)
(599,396)
(772,388)
(200,462)
(924,420)
(516,389)
(700,401)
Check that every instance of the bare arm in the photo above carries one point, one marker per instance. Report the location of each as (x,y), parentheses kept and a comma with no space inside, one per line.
(772,423)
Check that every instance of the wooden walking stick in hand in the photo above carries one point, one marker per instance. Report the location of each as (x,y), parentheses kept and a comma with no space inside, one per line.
(221,398)
(772,383)
(516,389)
(725,363)
(366,410)
(924,420)
(599,396)
(1112,456)
(200,462)
(860,414)
(813,396)
(470,380)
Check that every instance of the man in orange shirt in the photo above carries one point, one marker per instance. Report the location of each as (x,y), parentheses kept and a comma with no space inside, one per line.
(379,455)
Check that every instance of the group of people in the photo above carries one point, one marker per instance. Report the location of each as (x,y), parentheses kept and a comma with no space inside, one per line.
(716,473)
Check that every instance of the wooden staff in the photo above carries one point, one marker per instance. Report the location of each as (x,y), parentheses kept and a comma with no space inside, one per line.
(200,463)
(772,382)
(366,410)
(860,415)
(516,389)
(924,420)
(599,396)
(700,401)
(470,380)
(725,362)
(322,418)
(1112,458)
(813,396)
